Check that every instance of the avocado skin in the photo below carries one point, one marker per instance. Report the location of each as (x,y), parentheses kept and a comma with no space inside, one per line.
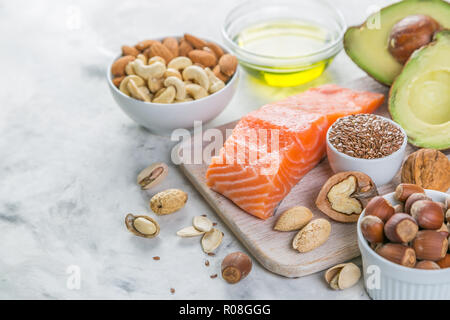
(376,71)
(417,136)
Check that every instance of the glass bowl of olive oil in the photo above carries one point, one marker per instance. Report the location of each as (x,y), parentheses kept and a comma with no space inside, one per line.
(286,42)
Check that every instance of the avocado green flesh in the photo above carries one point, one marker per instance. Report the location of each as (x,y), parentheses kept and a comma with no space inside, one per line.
(420,96)
(367,45)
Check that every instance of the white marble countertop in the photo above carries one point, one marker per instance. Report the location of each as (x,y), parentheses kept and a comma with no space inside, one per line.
(69,159)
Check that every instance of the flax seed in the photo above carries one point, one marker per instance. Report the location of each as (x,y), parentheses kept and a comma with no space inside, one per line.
(365,136)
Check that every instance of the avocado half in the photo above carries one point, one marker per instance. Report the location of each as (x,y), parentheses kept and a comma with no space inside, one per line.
(419,99)
(367,44)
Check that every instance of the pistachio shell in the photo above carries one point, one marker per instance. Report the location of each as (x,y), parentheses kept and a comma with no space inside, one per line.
(333,271)
(348,276)
(211,240)
(168,201)
(202,223)
(189,232)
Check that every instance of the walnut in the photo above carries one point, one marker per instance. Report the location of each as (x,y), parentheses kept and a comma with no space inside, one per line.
(427,168)
(344,196)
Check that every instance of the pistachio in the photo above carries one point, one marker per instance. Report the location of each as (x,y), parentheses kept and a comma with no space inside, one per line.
(343,276)
(211,240)
(142,226)
(152,175)
(168,201)
(202,223)
(189,232)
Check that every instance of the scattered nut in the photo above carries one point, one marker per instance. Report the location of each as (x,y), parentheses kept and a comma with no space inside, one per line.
(313,235)
(293,219)
(202,224)
(345,194)
(235,267)
(168,201)
(211,240)
(152,175)
(189,232)
(142,226)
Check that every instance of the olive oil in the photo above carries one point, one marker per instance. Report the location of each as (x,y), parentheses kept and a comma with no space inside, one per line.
(289,45)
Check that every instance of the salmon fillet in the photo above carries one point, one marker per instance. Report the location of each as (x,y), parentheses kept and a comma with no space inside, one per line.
(272,148)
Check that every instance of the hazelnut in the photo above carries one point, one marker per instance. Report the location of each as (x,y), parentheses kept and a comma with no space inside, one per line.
(428,214)
(444,262)
(404,190)
(401,228)
(372,229)
(409,34)
(236,266)
(380,207)
(428,265)
(413,198)
(444,230)
(398,253)
(430,245)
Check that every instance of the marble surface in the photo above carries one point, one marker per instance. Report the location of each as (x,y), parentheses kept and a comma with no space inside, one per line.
(69,159)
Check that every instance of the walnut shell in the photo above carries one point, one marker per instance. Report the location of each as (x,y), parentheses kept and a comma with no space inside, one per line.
(351,201)
(427,168)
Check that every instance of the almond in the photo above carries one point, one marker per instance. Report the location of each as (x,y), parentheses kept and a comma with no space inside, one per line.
(228,64)
(313,235)
(294,218)
(118,80)
(215,48)
(219,74)
(171,44)
(162,51)
(206,59)
(184,48)
(145,44)
(129,51)
(118,67)
(197,43)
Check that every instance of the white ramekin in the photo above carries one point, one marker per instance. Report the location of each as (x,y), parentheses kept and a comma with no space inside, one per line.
(397,282)
(164,118)
(381,170)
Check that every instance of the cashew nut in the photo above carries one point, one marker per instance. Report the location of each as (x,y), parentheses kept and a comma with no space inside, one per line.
(196,91)
(186,99)
(179,63)
(155,70)
(129,69)
(124,84)
(155,84)
(142,57)
(172,73)
(215,84)
(156,59)
(140,93)
(179,86)
(198,75)
(165,96)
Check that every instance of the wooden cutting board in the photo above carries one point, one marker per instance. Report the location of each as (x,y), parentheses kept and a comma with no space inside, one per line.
(272,248)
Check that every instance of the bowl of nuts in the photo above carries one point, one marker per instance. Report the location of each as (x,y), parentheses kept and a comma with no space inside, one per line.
(166,84)
(367,143)
(404,242)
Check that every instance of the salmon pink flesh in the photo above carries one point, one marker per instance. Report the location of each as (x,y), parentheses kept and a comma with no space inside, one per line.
(272,148)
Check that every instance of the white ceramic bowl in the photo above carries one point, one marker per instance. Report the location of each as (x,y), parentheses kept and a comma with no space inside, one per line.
(385,280)
(164,118)
(381,170)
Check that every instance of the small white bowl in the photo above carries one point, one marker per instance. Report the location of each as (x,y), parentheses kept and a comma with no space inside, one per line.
(164,118)
(381,170)
(385,280)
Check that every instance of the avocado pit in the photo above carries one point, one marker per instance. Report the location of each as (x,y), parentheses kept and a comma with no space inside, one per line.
(410,34)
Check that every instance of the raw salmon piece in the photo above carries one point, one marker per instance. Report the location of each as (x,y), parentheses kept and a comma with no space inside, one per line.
(256,174)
